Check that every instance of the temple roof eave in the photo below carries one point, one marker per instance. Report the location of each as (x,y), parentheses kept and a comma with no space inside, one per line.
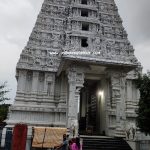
(68,60)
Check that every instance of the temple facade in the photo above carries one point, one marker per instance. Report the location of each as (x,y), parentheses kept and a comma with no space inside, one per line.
(78,70)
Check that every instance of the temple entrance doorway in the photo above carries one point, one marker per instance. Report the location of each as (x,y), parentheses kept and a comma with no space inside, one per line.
(89,110)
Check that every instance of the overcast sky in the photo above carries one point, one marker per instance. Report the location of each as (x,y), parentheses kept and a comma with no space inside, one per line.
(17,18)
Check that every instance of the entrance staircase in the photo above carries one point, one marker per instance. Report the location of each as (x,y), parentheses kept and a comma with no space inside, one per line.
(104,143)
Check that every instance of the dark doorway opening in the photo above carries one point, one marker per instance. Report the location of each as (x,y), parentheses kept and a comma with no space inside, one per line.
(88,122)
(84,13)
(84,42)
(85,26)
(84,2)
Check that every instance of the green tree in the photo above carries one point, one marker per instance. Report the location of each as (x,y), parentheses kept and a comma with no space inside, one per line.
(3,92)
(3,111)
(143,112)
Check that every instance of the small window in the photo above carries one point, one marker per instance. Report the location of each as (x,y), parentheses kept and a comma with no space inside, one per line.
(84,13)
(84,42)
(85,26)
(84,2)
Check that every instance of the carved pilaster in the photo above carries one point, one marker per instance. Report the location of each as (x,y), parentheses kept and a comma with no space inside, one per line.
(72,110)
(49,84)
(117,99)
(75,80)
(35,82)
(21,80)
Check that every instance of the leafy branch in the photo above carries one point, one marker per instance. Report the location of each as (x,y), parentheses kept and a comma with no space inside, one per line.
(3,92)
(143,112)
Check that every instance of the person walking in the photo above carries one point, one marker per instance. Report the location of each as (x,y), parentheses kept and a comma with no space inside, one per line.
(76,145)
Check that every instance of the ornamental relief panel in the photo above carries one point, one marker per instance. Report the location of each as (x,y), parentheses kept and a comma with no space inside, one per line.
(39,58)
(54,10)
(117,86)
(80,78)
(49,33)
(61,2)
(76,75)
(49,27)
(47,40)
(107,48)
(107,7)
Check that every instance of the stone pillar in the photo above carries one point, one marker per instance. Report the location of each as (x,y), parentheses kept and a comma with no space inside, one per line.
(35,82)
(72,105)
(77,99)
(21,81)
(123,102)
(122,106)
(75,84)
(118,100)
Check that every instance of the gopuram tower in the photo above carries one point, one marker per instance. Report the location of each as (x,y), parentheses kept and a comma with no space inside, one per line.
(77,69)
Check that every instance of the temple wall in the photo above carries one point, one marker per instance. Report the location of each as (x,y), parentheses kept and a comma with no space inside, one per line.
(41,99)
(47,98)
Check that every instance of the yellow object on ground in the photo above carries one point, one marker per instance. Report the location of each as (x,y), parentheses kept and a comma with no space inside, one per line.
(48,137)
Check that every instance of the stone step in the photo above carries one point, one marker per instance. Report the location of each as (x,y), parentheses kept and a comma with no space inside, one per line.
(104,143)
